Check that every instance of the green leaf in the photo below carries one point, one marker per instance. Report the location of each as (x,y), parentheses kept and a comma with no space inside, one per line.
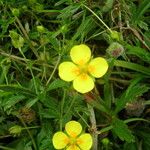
(57,84)
(139,12)
(17,89)
(130,146)
(31,102)
(108,5)
(139,52)
(132,66)
(130,95)
(50,113)
(143,133)
(85,27)
(69,11)
(10,102)
(122,131)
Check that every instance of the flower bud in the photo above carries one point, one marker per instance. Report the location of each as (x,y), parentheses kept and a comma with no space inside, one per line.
(105,141)
(64,29)
(115,50)
(40,29)
(13,34)
(17,40)
(16,12)
(16,130)
(115,35)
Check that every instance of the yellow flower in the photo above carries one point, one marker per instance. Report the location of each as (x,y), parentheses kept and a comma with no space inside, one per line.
(83,69)
(72,139)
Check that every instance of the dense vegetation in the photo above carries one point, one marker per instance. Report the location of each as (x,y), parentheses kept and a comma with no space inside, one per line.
(37,35)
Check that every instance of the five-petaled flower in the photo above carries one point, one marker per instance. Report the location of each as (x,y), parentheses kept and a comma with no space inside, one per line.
(72,139)
(83,69)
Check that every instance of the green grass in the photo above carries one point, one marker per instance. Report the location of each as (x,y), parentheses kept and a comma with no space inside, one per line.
(37,35)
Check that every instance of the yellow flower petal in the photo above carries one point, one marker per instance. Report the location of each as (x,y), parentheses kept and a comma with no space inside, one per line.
(85,141)
(80,54)
(68,71)
(98,67)
(73,147)
(73,128)
(60,140)
(83,83)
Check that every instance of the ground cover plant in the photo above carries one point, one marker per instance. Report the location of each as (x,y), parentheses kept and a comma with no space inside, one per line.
(74,74)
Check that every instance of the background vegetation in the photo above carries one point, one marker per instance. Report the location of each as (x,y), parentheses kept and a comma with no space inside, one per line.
(36,35)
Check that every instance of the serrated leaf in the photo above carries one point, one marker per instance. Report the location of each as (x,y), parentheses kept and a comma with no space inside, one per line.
(139,12)
(50,113)
(17,89)
(130,95)
(31,102)
(122,131)
(10,102)
(85,27)
(132,66)
(69,11)
(139,52)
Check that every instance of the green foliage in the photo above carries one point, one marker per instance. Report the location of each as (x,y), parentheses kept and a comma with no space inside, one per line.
(37,35)
(122,131)
(130,95)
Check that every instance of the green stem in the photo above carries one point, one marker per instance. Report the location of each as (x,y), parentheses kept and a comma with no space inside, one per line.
(97,17)
(35,85)
(32,139)
(72,102)
(59,57)
(93,122)
(31,127)
(147,102)
(125,121)
(36,89)
(26,35)
(5,136)
(6,148)
(61,109)
(83,119)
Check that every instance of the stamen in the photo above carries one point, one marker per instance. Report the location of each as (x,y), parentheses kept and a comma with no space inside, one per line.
(91,68)
(83,76)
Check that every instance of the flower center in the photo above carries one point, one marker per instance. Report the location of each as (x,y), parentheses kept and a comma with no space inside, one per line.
(73,141)
(83,68)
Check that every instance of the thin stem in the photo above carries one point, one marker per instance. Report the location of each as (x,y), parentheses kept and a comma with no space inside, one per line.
(61,109)
(93,122)
(31,127)
(35,85)
(26,35)
(59,57)
(97,17)
(83,119)
(147,102)
(6,148)
(32,139)
(72,102)
(5,136)
(30,70)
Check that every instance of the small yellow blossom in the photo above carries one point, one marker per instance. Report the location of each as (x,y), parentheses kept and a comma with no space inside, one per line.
(73,139)
(83,69)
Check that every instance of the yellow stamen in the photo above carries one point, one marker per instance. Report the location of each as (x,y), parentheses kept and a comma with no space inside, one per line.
(83,76)
(79,141)
(91,68)
(76,71)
